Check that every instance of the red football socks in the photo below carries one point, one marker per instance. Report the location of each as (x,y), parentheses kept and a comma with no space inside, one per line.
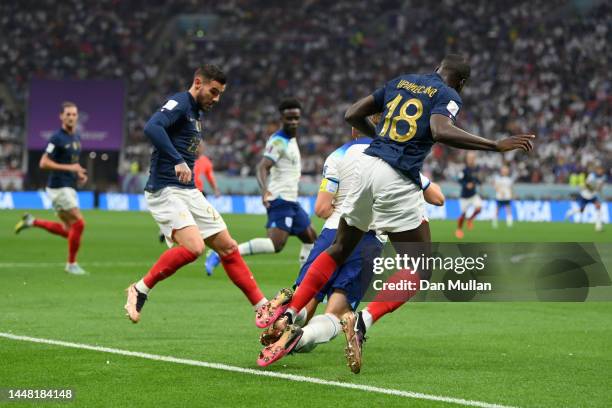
(53,227)
(74,239)
(476,212)
(241,275)
(460,221)
(167,264)
(319,273)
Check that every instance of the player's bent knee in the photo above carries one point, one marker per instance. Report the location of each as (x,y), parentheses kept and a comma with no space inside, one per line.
(196,247)
(226,247)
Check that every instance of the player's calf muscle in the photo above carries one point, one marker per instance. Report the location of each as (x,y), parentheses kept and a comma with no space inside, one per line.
(222,243)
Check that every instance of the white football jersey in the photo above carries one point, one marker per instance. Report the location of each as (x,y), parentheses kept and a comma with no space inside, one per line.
(503,187)
(594,184)
(285,174)
(340,173)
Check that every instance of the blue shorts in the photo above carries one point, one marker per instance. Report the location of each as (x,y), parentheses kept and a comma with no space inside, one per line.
(348,277)
(503,203)
(288,216)
(583,202)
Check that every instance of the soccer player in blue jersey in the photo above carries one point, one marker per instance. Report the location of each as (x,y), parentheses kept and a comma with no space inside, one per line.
(418,111)
(469,199)
(61,158)
(184,216)
(278,175)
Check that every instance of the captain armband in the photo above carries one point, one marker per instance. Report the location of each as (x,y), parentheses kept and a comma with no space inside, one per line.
(330,186)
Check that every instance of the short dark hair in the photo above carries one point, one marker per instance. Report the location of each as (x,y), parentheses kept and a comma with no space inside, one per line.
(289,103)
(211,72)
(67,104)
(458,66)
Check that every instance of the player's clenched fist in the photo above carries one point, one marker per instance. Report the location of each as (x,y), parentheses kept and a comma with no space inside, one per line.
(183,172)
(516,142)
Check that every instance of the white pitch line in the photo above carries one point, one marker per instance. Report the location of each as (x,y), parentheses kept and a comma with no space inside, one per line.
(111,264)
(62,264)
(225,367)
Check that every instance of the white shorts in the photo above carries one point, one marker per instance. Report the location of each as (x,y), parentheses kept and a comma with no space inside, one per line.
(383,199)
(174,208)
(472,202)
(63,198)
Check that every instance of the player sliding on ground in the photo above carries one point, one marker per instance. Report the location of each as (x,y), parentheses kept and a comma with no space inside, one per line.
(62,159)
(183,214)
(418,110)
(345,289)
(278,175)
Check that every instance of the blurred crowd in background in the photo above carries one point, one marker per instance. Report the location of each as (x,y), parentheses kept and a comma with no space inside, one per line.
(537,66)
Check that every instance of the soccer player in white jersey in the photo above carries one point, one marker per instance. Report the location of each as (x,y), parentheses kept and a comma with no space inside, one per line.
(348,284)
(589,194)
(503,183)
(278,175)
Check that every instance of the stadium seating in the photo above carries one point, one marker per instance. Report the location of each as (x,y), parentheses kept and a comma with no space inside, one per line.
(328,56)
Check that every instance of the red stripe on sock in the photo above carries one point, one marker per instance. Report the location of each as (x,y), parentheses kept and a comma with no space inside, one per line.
(74,239)
(238,271)
(319,273)
(53,227)
(167,264)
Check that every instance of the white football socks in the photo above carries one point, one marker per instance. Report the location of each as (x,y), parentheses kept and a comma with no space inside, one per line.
(320,329)
(304,252)
(300,318)
(367,318)
(256,246)
(141,287)
(598,225)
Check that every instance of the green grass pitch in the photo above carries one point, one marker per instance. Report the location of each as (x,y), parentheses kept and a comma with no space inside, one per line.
(517,354)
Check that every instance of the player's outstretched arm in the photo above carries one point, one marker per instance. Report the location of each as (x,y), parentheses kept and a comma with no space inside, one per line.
(444,131)
(357,115)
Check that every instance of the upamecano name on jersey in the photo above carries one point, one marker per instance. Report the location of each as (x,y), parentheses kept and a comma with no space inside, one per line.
(417,89)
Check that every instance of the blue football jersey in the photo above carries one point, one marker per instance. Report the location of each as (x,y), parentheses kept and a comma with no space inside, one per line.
(407,103)
(469,181)
(63,148)
(180,118)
